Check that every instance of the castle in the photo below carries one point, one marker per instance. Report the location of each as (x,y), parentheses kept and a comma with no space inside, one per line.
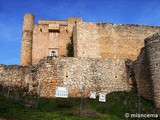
(99,62)
(92,40)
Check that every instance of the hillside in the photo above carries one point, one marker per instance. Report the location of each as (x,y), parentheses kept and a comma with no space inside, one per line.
(115,107)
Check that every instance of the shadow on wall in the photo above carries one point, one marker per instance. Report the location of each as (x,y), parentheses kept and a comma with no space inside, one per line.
(139,75)
(147,69)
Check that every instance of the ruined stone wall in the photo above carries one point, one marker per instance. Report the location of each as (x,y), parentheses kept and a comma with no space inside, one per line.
(12,75)
(152,44)
(105,40)
(96,74)
(18,78)
(142,75)
(147,69)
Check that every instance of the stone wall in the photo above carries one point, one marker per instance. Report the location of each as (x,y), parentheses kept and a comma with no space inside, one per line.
(152,44)
(40,40)
(142,75)
(147,69)
(46,40)
(93,40)
(97,75)
(86,41)
(106,40)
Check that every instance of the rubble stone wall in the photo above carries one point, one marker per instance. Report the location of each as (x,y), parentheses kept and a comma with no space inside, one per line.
(97,75)
(152,44)
(142,75)
(147,69)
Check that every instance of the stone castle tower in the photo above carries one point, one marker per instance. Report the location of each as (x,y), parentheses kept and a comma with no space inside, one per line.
(91,40)
(47,38)
(147,69)
(27,38)
(152,45)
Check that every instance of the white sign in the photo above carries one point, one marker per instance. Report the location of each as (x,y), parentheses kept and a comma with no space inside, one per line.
(93,95)
(102,97)
(62,92)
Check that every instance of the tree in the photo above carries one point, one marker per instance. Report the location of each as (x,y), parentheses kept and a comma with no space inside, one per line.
(70,48)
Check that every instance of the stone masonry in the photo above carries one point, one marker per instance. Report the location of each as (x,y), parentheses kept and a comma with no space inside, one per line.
(27,39)
(97,75)
(107,40)
(38,41)
(147,69)
(99,62)
(93,40)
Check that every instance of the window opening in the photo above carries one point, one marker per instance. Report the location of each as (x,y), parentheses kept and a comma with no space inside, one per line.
(53,53)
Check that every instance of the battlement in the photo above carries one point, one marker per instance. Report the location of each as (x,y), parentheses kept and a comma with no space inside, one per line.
(71,19)
(61,22)
(47,22)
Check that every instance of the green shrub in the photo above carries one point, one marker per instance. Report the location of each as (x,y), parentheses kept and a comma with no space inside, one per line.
(70,48)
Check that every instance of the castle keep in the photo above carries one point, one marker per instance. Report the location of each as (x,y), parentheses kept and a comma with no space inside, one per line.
(91,40)
(107,57)
(45,39)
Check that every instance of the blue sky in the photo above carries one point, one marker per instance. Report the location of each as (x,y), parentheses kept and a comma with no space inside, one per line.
(145,12)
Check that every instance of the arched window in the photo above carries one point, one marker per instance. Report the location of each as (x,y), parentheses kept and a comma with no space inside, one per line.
(53,53)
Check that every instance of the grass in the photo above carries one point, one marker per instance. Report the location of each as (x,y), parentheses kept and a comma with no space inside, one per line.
(115,107)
